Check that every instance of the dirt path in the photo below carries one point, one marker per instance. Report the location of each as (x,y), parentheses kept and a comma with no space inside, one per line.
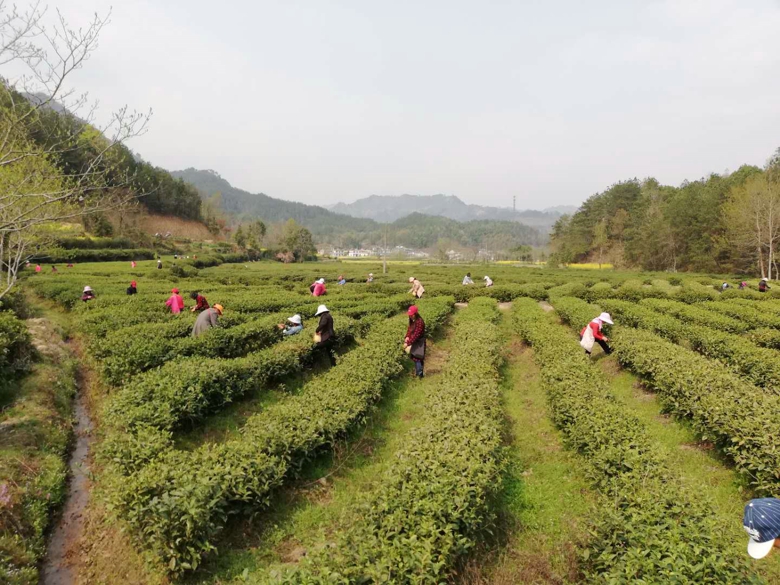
(57,568)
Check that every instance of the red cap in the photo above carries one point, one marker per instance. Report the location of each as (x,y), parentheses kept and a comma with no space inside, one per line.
(175,291)
(132,283)
(412,310)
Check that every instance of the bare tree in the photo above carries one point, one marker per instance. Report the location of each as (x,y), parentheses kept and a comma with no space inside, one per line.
(57,163)
(752,215)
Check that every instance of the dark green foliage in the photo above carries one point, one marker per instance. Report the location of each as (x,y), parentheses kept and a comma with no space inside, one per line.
(653,226)
(76,255)
(94,243)
(77,148)
(15,345)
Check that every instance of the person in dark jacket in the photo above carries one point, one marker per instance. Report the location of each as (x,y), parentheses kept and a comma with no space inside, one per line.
(763,286)
(414,342)
(323,335)
(132,289)
(201,304)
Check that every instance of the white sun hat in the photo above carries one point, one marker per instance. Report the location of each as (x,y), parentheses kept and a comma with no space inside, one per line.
(320,310)
(606,318)
(486,277)
(87,289)
(295,319)
(411,279)
(321,281)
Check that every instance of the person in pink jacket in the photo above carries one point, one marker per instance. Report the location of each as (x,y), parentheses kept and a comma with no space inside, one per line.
(318,288)
(175,302)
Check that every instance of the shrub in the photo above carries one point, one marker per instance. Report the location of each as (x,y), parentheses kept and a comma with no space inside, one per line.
(437,490)
(15,345)
(644,507)
(697,315)
(759,365)
(98,255)
(737,416)
(180,501)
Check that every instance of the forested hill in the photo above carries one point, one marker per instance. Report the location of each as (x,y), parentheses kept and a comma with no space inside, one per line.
(388,208)
(243,204)
(721,223)
(74,146)
(415,230)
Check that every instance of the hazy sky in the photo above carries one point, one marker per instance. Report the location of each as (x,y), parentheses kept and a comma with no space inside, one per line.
(327,100)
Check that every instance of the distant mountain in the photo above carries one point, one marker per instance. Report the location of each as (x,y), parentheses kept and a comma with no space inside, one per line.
(562,209)
(39,98)
(388,208)
(258,205)
(411,229)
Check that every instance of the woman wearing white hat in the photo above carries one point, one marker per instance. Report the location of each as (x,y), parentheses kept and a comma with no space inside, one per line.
(318,288)
(488,281)
(370,278)
(763,286)
(323,335)
(88,294)
(417,287)
(293,326)
(591,334)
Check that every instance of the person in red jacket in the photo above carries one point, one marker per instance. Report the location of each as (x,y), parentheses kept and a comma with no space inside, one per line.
(201,304)
(591,334)
(415,340)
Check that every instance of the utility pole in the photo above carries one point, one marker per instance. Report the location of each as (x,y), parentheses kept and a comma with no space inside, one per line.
(514,203)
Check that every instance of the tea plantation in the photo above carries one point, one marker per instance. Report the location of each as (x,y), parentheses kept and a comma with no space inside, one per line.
(245,456)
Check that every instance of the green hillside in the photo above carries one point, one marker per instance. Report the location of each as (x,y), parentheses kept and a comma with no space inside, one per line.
(415,231)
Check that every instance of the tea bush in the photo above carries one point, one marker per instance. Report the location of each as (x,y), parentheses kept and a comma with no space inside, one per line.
(437,490)
(644,507)
(738,417)
(697,315)
(180,501)
(759,365)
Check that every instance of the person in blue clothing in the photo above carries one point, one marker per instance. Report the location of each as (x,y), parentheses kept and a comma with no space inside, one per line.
(293,326)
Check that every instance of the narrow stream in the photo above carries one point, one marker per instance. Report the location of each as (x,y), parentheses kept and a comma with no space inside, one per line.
(57,567)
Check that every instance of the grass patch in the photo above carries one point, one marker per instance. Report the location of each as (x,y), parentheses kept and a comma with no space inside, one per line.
(35,432)
(545,501)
